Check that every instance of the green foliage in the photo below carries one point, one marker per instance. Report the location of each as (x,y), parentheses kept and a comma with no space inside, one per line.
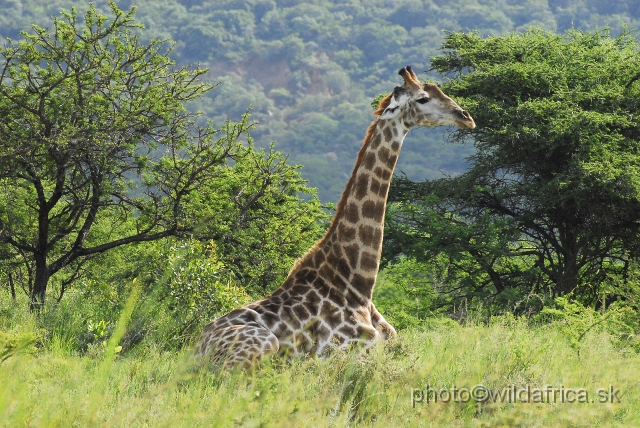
(196,286)
(376,101)
(193,265)
(302,47)
(551,202)
(249,223)
(575,321)
(165,311)
(406,294)
(255,212)
(156,387)
(345,50)
(254,216)
(185,284)
(14,343)
(98,150)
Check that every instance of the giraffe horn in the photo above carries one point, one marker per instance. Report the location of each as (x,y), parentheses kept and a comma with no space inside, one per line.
(413,74)
(410,78)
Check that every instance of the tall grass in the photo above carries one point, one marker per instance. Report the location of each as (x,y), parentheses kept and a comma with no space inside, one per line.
(53,384)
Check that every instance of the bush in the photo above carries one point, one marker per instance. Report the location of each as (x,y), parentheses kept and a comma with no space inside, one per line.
(197,286)
(575,321)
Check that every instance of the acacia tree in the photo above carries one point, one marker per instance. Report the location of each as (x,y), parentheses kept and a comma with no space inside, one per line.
(551,201)
(256,215)
(93,130)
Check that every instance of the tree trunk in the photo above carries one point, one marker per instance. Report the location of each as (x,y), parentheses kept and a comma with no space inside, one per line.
(568,278)
(12,287)
(39,289)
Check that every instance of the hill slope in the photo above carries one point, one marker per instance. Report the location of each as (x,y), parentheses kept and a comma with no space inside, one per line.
(310,68)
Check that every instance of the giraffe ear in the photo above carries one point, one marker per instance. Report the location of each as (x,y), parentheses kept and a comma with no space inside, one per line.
(396,99)
(392,110)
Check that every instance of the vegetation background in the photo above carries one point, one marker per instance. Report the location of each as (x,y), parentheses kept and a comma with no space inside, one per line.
(309,69)
(114,351)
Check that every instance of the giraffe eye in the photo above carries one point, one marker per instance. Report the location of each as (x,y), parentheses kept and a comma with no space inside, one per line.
(423,100)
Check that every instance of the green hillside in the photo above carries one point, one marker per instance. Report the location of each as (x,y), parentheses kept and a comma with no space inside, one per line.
(310,68)
(127,225)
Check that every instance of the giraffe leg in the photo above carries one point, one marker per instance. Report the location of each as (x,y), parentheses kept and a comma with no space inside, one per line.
(385,329)
(237,345)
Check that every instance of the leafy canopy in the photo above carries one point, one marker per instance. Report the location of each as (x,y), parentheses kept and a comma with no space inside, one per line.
(93,131)
(551,202)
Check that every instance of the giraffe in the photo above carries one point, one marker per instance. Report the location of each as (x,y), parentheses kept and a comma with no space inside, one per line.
(325,301)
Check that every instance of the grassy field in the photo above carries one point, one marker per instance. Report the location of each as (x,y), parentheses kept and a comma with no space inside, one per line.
(427,377)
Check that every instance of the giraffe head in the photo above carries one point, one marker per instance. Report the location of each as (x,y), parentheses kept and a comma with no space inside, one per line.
(418,104)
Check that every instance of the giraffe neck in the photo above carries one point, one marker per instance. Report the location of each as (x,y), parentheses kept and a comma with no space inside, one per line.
(353,244)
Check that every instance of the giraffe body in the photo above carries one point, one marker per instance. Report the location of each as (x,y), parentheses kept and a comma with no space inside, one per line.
(325,302)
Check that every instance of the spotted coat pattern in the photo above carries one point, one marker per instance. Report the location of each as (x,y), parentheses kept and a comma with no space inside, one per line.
(325,302)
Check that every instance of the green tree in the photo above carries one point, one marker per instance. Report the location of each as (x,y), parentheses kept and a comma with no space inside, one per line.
(254,211)
(249,224)
(93,129)
(551,201)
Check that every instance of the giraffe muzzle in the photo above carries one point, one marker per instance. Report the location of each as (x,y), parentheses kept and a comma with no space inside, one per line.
(466,122)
